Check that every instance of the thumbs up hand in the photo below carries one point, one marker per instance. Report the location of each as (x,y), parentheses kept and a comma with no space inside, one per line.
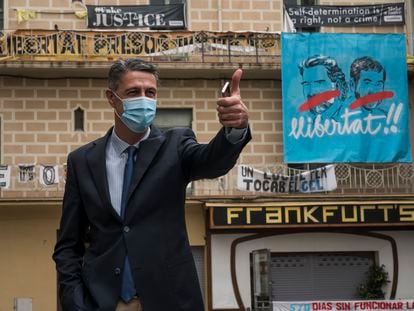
(231,111)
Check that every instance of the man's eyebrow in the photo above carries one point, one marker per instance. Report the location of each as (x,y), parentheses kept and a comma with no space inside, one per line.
(134,88)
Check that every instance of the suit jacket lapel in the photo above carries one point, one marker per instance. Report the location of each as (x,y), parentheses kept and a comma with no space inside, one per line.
(146,152)
(97,165)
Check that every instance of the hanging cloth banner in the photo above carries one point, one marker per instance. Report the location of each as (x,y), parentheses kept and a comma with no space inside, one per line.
(318,180)
(169,16)
(4,176)
(345,98)
(383,14)
(49,175)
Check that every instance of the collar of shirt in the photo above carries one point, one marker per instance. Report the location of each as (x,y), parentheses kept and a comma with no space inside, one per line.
(119,145)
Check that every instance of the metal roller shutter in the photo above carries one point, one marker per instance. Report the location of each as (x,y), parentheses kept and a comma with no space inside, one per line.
(318,276)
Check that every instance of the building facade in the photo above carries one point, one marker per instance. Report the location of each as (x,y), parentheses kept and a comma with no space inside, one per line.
(250,249)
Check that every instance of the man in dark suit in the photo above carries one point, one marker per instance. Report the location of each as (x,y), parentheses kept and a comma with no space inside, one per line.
(125,195)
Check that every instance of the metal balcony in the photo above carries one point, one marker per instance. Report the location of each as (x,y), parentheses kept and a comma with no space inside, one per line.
(353,180)
(228,47)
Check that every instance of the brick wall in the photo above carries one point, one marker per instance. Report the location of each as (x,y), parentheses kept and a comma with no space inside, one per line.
(38,119)
(212,15)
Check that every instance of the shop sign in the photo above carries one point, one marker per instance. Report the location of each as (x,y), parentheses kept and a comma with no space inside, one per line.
(138,16)
(224,216)
(346,15)
(355,305)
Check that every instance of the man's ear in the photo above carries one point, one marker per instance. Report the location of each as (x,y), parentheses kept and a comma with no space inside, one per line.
(111,97)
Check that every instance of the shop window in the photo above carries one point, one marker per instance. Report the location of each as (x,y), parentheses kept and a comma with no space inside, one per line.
(260,275)
(79,119)
(303,3)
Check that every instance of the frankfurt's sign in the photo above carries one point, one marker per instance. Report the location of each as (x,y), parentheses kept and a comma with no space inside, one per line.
(312,215)
(352,15)
(154,16)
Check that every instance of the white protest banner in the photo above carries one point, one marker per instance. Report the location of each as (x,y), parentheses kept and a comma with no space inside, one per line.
(319,180)
(49,175)
(26,173)
(4,176)
(349,305)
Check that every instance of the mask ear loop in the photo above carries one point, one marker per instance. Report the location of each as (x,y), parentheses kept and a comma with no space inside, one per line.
(113,92)
(122,101)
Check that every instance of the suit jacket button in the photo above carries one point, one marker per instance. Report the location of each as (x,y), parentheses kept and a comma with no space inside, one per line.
(117,271)
(126,229)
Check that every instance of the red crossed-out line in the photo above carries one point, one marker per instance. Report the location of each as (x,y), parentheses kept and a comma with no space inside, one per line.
(371,98)
(318,99)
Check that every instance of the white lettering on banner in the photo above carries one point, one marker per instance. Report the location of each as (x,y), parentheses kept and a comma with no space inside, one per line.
(355,305)
(129,19)
(318,180)
(351,125)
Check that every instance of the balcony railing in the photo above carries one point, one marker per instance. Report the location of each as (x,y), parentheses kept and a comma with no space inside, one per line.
(358,179)
(251,47)
(351,179)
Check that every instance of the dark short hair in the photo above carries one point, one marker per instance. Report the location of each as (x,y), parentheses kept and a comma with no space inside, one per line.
(365,63)
(122,66)
(333,71)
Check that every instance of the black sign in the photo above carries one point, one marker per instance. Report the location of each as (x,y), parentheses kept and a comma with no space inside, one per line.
(335,15)
(253,216)
(154,16)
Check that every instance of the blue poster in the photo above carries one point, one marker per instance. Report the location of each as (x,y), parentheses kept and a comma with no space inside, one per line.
(345,98)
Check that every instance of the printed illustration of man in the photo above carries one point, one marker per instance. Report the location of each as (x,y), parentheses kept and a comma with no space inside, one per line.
(368,77)
(324,87)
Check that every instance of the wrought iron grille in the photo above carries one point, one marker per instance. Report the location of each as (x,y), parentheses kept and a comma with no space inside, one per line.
(196,46)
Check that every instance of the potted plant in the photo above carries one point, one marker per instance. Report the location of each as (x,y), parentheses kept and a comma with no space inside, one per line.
(377,278)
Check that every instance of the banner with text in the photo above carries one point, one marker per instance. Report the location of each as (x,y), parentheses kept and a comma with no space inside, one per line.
(354,305)
(347,15)
(318,180)
(169,16)
(4,176)
(353,104)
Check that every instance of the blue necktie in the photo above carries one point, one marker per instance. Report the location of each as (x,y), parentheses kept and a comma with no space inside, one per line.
(128,290)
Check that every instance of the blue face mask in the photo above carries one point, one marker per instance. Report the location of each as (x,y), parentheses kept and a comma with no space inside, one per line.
(139,112)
